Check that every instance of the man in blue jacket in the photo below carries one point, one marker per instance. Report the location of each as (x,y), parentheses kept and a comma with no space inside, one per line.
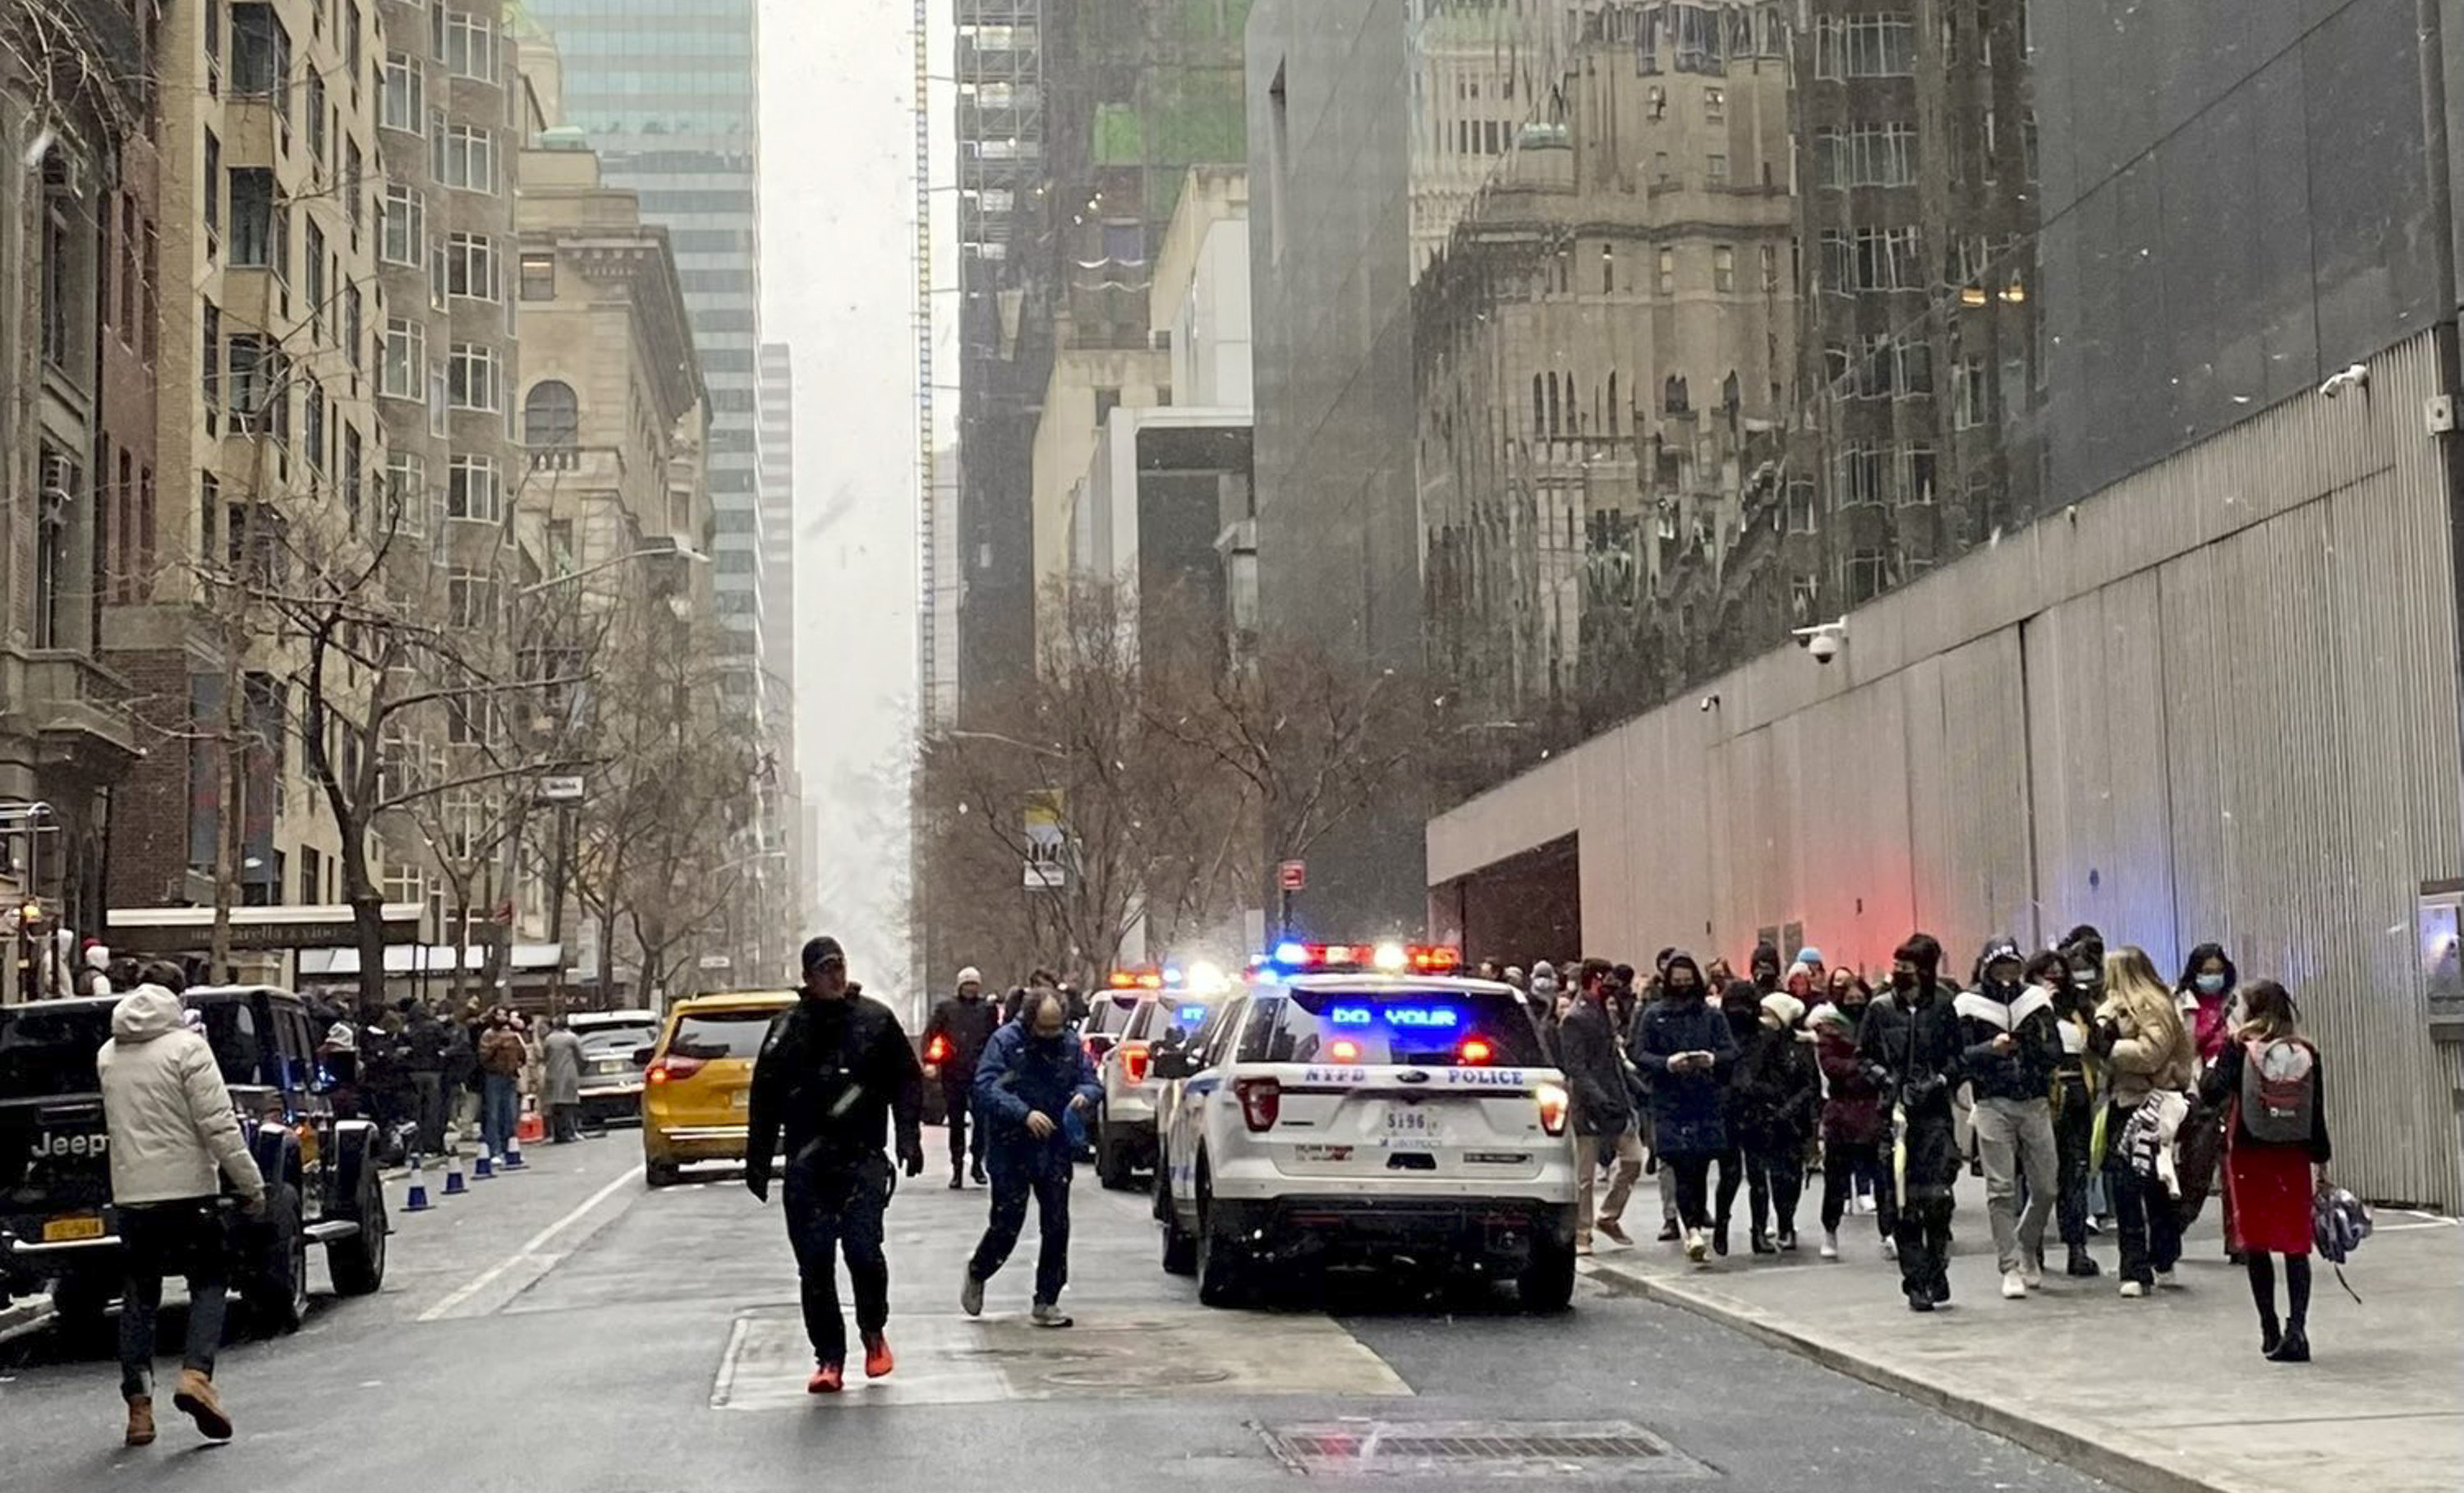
(1031,1083)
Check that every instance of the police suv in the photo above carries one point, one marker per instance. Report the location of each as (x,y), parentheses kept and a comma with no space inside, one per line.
(1165,1014)
(1357,1102)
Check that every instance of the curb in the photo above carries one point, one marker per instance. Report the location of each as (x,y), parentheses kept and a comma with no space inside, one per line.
(2083,1446)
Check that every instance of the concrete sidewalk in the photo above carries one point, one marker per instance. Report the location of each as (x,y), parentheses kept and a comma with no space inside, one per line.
(2160,1395)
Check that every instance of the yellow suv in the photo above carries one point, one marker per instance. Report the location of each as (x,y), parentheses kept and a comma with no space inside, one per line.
(699,1080)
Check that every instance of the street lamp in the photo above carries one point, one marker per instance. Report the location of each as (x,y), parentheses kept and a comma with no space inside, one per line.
(654,552)
(1009,741)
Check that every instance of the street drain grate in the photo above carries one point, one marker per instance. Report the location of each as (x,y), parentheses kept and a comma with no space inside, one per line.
(1481,1449)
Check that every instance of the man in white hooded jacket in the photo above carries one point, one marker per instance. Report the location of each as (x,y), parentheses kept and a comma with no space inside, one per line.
(173,1137)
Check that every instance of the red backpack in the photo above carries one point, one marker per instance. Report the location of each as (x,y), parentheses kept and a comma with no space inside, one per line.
(2280,1090)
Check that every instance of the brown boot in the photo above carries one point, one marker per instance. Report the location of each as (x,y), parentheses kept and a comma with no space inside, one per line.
(140,1420)
(196,1400)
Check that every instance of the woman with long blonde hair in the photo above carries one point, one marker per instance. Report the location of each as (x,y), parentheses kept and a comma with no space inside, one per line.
(2146,1048)
(2276,1157)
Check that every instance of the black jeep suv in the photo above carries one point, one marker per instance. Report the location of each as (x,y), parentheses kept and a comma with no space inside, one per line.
(322,1183)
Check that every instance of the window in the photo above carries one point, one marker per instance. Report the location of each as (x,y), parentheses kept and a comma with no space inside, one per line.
(405,227)
(53,584)
(466,155)
(1668,272)
(469,46)
(470,377)
(1971,393)
(1877,365)
(1868,576)
(1858,475)
(406,493)
(1715,170)
(1724,268)
(209,319)
(1608,269)
(405,103)
(354,494)
(461,816)
(472,490)
(1715,104)
(316,261)
(354,328)
(255,383)
(1771,270)
(1868,155)
(252,217)
(471,266)
(1800,506)
(1864,46)
(1917,476)
(312,427)
(63,291)
(1916,367)
(470,600)
(403,373)
(260,53)
(355,178)
(213,185)
(551,417)
(320,143)
(1872,259)
(538,277)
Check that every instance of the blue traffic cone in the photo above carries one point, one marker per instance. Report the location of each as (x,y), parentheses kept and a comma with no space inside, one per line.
(485,1168)
(418,1201)
(454,1184)
(513,1152)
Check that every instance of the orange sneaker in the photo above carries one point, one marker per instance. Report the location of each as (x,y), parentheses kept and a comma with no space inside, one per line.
(827,1379)
(877,1362)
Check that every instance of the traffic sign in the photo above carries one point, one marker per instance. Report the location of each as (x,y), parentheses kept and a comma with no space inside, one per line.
(715,962)
(1293,875)
(566,789)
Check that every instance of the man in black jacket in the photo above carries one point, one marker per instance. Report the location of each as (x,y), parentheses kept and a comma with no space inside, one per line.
(1589,1052)
(2012,1044)
(833,1072)
(429,1046)
(1910,1044)
(954,1040)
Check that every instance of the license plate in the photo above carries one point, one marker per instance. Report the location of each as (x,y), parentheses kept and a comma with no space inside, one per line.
(1411,1122)
(742,1099)
(63,1231)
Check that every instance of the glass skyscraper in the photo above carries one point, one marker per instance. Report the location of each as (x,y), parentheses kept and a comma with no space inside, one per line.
(667,92)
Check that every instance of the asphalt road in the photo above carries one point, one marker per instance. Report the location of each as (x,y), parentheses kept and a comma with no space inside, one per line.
(567,1329)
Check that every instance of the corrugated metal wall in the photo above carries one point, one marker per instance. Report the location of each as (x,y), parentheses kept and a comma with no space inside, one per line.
(2218,701)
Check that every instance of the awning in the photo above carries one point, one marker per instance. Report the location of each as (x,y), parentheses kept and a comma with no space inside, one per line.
(176,930)
(427,959)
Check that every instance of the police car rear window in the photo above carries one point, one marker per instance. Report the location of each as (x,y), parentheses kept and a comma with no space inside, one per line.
(710,1035)
(1112,1014)
(48,1054)
(1164,1015)
(1413,1029)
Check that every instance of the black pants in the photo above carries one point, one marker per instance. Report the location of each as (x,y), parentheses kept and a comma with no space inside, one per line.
(566,1123)
(1043,1172)
(1923,1224)
(966,1142)
(835,1209)
(2145,1217)
(2074,1132)
(1843,1164)
(1693,1186)
(429,1102)
(183,1239)
(1776,1177)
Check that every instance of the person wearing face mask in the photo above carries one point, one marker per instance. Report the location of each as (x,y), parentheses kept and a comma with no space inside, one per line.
(834,1074)
(2013,1045)
(1852,1113)
(1762,967)
(1780,1091)
(1034,1081)
(1741,1006)
(1663,1177)
(1910,1045)
(2072,1102)
(1684,1051)
(2147,1050)
(2208,995)
(2084,950)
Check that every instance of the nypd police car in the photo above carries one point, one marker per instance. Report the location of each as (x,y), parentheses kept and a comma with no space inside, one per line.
(1363,1103)
(1165,1014)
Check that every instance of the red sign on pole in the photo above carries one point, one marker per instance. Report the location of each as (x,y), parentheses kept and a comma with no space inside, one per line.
(1293,875)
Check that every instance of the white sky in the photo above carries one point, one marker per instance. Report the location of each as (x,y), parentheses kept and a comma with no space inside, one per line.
(838,285)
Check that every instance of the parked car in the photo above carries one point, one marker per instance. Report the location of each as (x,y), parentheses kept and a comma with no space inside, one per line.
(697,1087)
(612,1067)
(57,1227)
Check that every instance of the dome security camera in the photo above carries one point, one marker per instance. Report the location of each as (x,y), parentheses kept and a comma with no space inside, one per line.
(1824,646)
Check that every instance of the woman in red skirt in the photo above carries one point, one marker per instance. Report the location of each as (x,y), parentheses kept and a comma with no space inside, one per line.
(2276,1157)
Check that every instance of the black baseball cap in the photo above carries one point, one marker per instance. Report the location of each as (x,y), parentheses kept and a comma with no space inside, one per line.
(821,950)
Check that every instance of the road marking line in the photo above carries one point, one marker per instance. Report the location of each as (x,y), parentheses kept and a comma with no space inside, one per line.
(529,1251)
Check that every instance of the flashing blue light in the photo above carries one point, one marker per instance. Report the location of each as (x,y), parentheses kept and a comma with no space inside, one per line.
(1172,978)
(1192,1016)
(1414,1018)
(1291,952)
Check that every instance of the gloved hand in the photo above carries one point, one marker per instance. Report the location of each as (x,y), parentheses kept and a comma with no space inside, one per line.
(911,1155)
(757,1181)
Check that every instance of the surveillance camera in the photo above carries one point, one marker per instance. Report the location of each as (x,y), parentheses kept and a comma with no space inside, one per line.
(2352,378)
(1710,702)
(1824,646)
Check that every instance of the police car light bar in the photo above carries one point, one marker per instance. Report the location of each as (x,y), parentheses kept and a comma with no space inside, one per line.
(1135,979)
(1388,958)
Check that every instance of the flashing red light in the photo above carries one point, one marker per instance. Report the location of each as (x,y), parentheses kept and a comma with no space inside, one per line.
(1392,958)
(1476,1051)
(1135,979)
(1343,1049)
(1122,979)
(937,1050)
(1135,1057)
(1262,1101)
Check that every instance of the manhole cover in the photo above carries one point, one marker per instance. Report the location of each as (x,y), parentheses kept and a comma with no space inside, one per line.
(1476,1449)
(1135,1376)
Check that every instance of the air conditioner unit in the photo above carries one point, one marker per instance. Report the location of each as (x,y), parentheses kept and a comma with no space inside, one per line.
(1159,340)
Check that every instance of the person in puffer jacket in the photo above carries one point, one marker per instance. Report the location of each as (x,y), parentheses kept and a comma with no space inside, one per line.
(1852,1115)
(2012,1045)
(173,1137)
(1779,1098)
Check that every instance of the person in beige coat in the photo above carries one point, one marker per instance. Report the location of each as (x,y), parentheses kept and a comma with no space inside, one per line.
(2147,1050)
(173,1139)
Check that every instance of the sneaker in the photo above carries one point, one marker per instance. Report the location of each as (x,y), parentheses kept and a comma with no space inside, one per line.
(2015,1286)
(196,1400)
(971,1296)
(827,1379)
(2164,1280)
(1788,1242)
(1890,1248)
(1616,1232)
(141,1416)
(1669,1232)
(1761,1244)
(877,1361)
(2032,1274)
(2132,1290)
(1048,1314)
(1697,1247)
(1830,1245)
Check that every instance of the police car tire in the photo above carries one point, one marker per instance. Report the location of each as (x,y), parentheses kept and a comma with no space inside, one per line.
(1548,1280)
(1112,1162)
(1222,1266)
(1180,1249)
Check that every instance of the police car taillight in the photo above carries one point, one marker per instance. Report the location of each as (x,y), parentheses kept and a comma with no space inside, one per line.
(1343,1049)
(1476,1051)
(1554,1107)
(1136,1056)
(1262,1101)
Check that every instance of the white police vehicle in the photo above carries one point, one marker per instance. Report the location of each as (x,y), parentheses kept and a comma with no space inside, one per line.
(1354,1104)
(1167,1013)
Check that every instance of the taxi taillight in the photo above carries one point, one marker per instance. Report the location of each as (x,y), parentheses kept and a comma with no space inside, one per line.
(671,1068)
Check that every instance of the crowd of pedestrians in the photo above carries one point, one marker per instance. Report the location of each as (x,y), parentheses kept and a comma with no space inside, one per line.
(2091,1095)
